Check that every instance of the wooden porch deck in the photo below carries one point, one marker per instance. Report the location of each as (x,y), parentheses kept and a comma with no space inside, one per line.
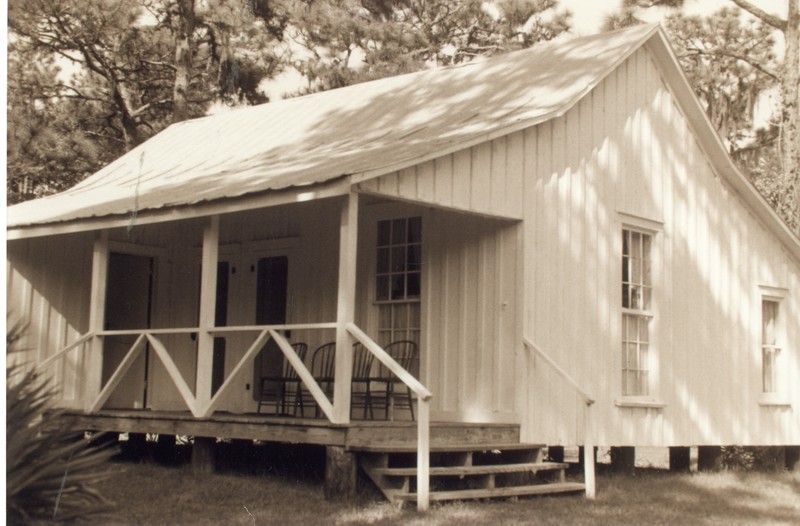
(358,434)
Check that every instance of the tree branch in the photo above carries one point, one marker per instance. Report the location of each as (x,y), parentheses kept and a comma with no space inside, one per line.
(762,15)
(766,71)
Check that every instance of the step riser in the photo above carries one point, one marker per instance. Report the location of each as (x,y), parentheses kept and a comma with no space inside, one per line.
(440,436)
(476,471)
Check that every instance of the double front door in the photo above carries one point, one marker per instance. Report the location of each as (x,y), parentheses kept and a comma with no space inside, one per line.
(250,291)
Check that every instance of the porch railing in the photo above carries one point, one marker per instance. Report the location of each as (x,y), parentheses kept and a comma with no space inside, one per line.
(423,412)
(265,332)
(588,440)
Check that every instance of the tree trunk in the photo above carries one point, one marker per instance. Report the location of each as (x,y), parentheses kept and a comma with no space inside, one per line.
(183,60)
(790,97)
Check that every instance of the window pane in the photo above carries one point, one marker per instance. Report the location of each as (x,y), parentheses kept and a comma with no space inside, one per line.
(383,260)
(413,315)
(400,317)
(398,259)
(384,316)
(636,269)
(398,286)
(642,388)
(626,270)
(626,296)
(398,231)
(769,315)
(769,372)
(414,257)
(413,285)
(633,359)
(384,230)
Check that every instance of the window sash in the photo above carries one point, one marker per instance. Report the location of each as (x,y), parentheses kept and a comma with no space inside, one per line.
(635,355)
(636,270)
(398,279)
(770,351)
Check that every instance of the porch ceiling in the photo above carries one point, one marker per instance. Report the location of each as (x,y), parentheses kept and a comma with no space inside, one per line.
(362,131)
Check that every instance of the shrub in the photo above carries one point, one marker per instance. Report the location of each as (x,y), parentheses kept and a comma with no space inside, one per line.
(50,471)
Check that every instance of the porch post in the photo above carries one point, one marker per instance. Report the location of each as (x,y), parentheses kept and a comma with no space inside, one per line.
(345,310)
(208,303)
(97,314)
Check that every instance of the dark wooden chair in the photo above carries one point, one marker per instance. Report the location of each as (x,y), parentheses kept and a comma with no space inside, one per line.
(323,363)
(282,387)
(359,387)
(386,391)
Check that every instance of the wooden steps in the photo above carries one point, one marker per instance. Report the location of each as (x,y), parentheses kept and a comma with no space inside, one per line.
(466,471)
(527,467)
(513,491)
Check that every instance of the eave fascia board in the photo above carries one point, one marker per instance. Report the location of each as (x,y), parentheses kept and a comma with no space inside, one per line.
(332,188)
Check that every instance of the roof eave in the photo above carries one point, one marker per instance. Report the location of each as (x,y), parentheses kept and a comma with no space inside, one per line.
(297,194)
(711,143)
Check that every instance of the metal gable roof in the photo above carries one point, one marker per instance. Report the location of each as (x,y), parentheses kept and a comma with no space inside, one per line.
(365,129)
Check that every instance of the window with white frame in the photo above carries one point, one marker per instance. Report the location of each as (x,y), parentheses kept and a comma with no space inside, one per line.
(770,348)
(398,282)
(637,288)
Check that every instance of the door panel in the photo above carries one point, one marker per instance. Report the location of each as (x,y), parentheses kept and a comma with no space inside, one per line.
(128,302)
(271,294)
(220,320)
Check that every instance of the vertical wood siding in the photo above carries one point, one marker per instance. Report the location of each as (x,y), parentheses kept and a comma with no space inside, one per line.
(485,179)
(469,308)
(52,302)
(626,152)
(624,155)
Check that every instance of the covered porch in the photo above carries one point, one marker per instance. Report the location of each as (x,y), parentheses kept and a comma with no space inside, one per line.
(186,316)
(190,314)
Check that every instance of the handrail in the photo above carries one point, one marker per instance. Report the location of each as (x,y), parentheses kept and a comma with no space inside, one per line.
(588,442)
(588,400)
(64,350)
(305,375)
(385,358)
(265,333)
(423,412)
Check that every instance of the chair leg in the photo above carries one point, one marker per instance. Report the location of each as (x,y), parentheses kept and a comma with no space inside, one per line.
(279,400)
(368,403)
(410,403)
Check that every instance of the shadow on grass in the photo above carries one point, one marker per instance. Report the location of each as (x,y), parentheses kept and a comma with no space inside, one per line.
(282,484)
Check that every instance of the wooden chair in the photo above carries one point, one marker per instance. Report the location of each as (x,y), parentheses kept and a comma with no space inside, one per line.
(323,363)
(386,391)
(284,385)
(362,370)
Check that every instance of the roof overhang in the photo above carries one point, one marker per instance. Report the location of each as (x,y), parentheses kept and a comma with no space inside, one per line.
(336,187)
(720,160)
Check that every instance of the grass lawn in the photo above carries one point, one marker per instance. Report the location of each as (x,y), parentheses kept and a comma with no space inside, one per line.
(152,494)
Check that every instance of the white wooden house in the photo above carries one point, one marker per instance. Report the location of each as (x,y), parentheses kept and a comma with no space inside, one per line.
(560,229)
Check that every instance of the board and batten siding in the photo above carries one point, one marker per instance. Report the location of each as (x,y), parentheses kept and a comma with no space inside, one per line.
(625,155)
(486,179)
(52,303)
(469,308)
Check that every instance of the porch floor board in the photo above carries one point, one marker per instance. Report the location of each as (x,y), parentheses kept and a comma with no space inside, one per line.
(357,435)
